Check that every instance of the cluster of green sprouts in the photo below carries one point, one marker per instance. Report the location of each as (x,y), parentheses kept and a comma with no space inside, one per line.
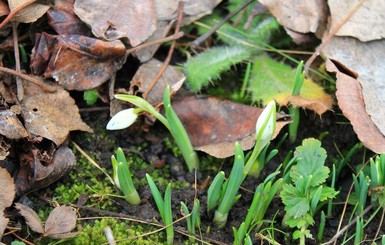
(222,193)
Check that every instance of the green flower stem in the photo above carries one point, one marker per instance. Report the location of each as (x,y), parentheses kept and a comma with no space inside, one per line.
(179,133)
(144,105)
(252,159)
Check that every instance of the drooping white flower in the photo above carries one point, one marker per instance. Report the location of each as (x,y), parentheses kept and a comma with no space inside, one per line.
(123,119)
(265,125)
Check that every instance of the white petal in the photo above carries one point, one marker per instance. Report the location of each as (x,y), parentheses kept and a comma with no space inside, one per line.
(267,118)
(122,119)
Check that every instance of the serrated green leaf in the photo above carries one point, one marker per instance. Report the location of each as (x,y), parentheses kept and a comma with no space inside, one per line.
(207,66)
(310,161)
(296,203)
(274,80)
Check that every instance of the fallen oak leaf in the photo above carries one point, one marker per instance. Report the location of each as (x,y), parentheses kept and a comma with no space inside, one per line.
(31,218)
(10,125)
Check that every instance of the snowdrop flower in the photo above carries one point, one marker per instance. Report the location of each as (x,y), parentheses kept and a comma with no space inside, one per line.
(123,119)
(265,125)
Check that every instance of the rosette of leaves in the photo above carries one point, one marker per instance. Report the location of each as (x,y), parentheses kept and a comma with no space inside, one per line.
(307,189)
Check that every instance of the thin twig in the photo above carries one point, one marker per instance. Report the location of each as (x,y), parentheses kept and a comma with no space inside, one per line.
(14,12)
(336,236)
(159,41)
(38,82)
(170,51)
(327,39)
(19,83)
(203,38)
(92,161)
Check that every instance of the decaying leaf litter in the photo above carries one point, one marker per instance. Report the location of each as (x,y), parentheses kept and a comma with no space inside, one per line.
(77,46)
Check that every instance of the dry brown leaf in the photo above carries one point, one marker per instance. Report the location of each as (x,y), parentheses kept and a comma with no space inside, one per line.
(31,218)
(10,126)
(145,54)
(195,9)
(3,224)
(4,10)
(77,62)
(29,14)
(62,19)
(299,16)
(60,221)
(7,189)
(366,24)
(350,100)
(46,174)
(214,125)
(51,115)
(112,20)
(366,60)
(7,194)
(5,146)
(145,75)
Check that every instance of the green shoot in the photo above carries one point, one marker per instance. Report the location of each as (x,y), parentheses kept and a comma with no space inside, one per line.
(294,111)
(305,192)
(359,231)
(164,207)
(122,177)
(263,196)
(224,193)
(377,176)
(361,187)
(321,227)
(125,118)
(192,220)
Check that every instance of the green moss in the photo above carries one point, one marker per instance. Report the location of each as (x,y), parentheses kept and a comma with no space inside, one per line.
(172,146)
(122,231)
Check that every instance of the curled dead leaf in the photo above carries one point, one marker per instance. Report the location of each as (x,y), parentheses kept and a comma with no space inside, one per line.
(77,62)
(350,101)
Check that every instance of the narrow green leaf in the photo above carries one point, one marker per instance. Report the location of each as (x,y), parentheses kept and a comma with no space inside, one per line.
(157,196)
(214,191)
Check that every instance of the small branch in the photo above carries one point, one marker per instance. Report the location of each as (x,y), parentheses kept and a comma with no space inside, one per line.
(203,38)
(15,11)
(336,236)
(19,84)
(327,39)
(159,41)
(170,51)
(38,82)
